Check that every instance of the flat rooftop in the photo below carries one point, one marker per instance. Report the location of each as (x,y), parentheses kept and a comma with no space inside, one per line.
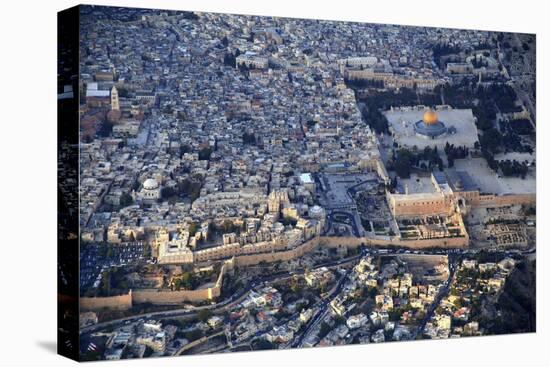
(306,178)
(489,182)
(415,185)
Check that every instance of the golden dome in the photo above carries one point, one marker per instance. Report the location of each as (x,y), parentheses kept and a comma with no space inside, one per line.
(430,117)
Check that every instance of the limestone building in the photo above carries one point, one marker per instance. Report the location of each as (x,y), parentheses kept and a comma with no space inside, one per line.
(115,105)
(418,204)
(150,191)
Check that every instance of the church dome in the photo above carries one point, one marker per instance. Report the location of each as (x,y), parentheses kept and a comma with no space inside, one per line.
(430,117)
(459,185)
(150,184)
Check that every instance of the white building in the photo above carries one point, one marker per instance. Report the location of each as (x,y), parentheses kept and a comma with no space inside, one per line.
(150,191)
(280,334)
(306,179)
(126,129)
(251,60)
(356,321)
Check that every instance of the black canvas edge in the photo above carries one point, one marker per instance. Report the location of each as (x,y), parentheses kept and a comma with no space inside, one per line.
(68,35)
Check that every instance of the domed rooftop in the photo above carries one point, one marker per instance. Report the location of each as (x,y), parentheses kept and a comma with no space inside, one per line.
(430,127)
(315,210)
(150,184)
(459,185)
(430,117)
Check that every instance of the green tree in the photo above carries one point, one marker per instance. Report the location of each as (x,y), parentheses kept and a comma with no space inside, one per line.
(167,192)
(192,228)
(325,329)
(126,199)
(262,344)
(205,153)
(203,315)
(403,163)
(491,140)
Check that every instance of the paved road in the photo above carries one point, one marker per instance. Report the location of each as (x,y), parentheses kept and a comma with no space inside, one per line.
(323,306)
(440,295)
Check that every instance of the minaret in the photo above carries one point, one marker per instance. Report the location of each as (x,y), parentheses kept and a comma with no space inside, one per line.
(114,99)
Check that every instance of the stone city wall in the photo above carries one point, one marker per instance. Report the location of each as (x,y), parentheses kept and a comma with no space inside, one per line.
(349,242)
(353,242)
(269,257)
(450,242)
(166,297)
(503,200)
(122,302)
(156,296)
